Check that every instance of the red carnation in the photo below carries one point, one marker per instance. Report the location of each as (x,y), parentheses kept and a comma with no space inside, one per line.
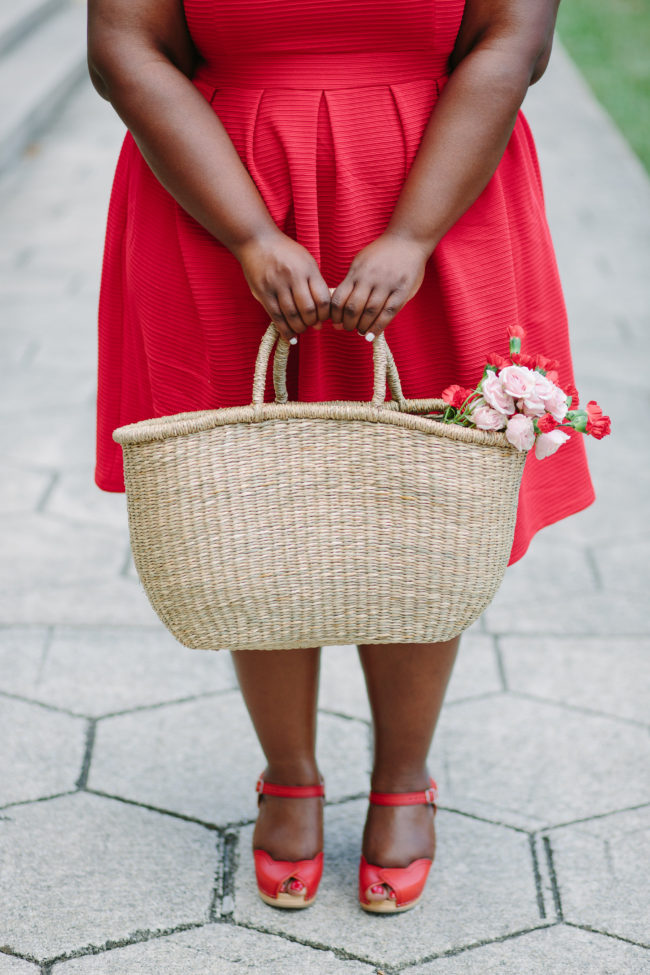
(500,361)
(598,426)
(548,365)
(523,359)
(456,395)
(571,391)
(516,331)
(546,423)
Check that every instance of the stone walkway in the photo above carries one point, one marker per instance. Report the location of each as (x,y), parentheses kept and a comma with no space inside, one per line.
(128,764)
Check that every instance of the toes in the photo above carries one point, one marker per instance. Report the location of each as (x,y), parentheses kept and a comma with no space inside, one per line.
(379,892)
(294,886)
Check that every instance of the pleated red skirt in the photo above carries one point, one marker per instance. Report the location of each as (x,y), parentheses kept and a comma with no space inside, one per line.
(326,103)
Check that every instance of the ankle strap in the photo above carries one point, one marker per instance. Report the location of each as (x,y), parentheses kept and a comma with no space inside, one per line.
(406,798)
(289,791)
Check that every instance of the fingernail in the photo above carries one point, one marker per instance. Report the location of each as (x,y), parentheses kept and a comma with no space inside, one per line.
(370,336)
(293,340)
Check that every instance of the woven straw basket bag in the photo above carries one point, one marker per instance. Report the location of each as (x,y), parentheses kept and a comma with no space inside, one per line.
(287,524)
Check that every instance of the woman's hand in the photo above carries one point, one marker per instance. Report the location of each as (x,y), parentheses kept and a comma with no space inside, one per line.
(381,279)
(286,280)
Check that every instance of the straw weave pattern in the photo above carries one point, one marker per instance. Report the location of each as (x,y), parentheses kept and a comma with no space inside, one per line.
(288,525)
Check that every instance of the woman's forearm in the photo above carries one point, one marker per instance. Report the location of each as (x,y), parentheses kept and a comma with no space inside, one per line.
(462,145)
(186,145)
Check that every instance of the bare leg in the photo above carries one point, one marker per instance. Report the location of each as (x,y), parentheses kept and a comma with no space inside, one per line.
(406,687)
(280,688)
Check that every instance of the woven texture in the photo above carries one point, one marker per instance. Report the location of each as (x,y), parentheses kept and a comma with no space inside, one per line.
(326,103)
(287,525)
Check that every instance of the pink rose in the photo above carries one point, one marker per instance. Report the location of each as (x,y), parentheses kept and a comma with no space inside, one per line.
(486,418)
(548,443)
(495,395)
(520,431)
(518,381)
(556,404)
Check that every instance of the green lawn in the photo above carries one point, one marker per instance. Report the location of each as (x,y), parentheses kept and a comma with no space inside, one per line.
(609,40)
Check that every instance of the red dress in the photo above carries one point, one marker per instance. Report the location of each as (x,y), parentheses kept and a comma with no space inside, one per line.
(326,102)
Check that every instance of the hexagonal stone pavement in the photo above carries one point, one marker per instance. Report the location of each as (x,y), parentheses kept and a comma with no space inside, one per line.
(599,674)
(486,761)
(202,758)
(41,751)
(481,886)
(558,950)
(99,670)
(79,871)
(217,949)
(602,868)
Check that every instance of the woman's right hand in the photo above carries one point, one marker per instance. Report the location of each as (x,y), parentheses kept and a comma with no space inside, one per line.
(286,280)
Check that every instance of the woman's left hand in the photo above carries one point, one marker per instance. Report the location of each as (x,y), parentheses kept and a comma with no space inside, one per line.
(383,276)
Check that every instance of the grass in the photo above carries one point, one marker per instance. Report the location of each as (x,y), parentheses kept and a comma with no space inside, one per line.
(609,40)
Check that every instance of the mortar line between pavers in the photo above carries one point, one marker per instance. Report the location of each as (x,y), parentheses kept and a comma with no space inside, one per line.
(45,497)
(607,934)
(341,953)
(229,872)
(539,890)
(217,885)
(493,822)
(136,938)
(91,730)
(580,709)
(45,705)
(346,717)
(452,952)
(11,953)
(590,558)
(202,695)
(30,802)
(555,888)
(603,815)
(145,805)
(499,659)
(486,695)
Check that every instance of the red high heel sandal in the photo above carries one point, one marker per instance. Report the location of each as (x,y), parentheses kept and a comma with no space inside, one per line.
(271,874)
(406,883)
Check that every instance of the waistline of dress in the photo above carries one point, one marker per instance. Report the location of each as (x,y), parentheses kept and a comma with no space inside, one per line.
(320,70)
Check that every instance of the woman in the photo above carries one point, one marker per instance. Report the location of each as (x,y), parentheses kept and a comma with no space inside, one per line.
(276,150)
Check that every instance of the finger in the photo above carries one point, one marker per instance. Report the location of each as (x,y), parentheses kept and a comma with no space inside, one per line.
(374,305)
(321,295)
(354,306)
(304,303)
(275,314)
(337,301)
(290,312)
(393,304)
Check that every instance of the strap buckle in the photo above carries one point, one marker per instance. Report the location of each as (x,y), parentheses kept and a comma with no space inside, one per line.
(431,795)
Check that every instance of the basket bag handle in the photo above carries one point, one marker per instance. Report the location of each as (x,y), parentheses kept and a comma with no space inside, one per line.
(384,368)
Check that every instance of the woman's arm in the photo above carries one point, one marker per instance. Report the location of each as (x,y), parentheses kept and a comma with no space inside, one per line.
(140,56)
(502,48)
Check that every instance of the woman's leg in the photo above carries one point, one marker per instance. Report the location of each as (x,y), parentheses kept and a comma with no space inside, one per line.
(406,687)
(280,689)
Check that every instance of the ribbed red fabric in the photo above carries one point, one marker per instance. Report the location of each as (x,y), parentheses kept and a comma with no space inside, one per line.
(326,102)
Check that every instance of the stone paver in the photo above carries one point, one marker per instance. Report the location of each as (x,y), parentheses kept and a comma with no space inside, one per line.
(602,868)
(558,950)
(217,949)
(41,751)
(101,670)
(483,867)
(545,717)
(512,757)
(81,870)
(610,675)
(202,758)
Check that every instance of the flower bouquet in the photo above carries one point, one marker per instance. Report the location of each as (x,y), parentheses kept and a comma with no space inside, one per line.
(520,396)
